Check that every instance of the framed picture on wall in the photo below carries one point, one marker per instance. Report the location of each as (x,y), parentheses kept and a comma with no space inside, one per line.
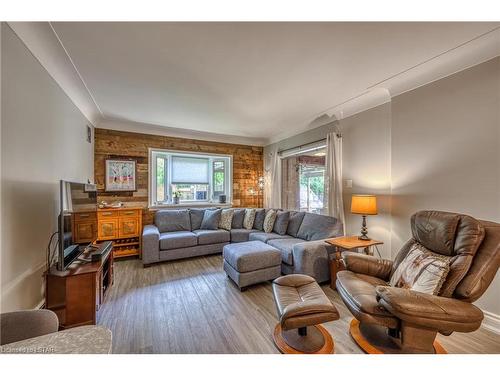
(120,175)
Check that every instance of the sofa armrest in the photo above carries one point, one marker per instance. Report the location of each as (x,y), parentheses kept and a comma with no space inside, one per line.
(25,324)
(440,313)
(367,265)
(150,244)
(311,258)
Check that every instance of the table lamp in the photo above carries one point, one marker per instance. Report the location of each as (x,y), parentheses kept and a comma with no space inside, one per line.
(364,205)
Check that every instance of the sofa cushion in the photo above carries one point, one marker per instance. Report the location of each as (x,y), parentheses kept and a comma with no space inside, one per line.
(251,256)
(264,237)
(207,237)
(196,215)
(285,245)
(172,220)
(238,217)
(269,221)
(241,235)
(249,218)
(260,215)
(281,222)
(318,227)
(294,222)
(226,219)
(176,240)
(211,219)
(421,270)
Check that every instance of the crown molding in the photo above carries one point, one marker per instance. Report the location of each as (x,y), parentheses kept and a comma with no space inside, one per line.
(44,44)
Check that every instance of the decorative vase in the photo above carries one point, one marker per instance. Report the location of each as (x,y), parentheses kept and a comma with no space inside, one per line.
(176,200)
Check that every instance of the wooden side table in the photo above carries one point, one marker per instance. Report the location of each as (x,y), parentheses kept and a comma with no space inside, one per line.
(349,243)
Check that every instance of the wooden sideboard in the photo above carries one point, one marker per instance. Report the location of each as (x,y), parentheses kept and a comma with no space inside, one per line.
(76,293)
(123,226)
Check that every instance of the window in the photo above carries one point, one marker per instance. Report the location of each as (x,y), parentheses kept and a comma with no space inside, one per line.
(312,187)
(191,177)
(303,179)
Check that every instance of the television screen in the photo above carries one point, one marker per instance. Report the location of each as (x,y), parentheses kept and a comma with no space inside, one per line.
(74,198)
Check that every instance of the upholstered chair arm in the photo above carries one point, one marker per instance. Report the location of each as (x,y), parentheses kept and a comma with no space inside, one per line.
(311,258)
(150,244)
(367,265)
(25,324)
(440,313)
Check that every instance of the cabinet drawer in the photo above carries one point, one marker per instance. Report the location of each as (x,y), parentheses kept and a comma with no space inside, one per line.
(128,227)
(107,214)
(107,229)
(129,213)
(85,231)
(85,216)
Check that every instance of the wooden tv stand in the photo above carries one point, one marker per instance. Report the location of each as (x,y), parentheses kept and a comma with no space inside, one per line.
(76,294)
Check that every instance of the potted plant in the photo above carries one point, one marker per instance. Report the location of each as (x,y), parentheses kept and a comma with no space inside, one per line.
(177,196)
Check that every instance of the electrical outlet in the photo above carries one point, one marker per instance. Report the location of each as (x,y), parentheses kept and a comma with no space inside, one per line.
(348,183)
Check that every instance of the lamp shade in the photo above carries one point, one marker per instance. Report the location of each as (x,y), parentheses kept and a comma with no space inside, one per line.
(364,204)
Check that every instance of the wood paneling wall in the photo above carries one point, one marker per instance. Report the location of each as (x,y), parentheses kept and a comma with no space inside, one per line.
(247,165)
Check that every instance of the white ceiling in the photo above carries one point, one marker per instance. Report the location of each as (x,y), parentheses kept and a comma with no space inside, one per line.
(262,81)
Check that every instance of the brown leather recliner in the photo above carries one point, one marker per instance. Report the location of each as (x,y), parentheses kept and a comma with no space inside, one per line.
(398,320)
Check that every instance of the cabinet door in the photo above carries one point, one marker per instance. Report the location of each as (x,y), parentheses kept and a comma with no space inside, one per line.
(108,229)
(85,231)
(128,227)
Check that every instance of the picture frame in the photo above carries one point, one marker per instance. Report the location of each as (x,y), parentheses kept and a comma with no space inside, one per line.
(120,175)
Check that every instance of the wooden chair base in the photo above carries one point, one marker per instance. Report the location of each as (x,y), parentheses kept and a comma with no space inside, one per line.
(373,339)
(317,341)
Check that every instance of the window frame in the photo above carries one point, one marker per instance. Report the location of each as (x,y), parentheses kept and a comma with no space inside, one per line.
(168,153)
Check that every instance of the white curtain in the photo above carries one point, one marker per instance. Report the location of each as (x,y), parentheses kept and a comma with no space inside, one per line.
(272,180)
(333,177)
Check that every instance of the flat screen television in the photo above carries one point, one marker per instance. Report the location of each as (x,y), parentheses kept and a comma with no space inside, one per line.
(74,197)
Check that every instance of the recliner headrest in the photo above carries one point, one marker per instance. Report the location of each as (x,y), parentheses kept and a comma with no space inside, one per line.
(447,233)
(435,230)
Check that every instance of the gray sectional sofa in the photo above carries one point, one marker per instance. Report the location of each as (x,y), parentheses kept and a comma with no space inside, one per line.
(176,234)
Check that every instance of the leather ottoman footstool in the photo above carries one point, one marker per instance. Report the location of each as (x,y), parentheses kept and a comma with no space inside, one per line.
(252,262)
(302,307)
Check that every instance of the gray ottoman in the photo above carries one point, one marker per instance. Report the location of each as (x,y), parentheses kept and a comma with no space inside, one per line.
(252,262)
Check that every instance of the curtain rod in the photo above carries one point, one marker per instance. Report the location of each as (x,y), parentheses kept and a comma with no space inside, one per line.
(298,148)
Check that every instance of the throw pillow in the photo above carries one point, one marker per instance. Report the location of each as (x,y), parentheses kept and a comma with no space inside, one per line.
(294,223)
(260,215)
(249,218)
(269,221)
(211,219)
(226,219)
(281,222)
(238,216)
(421,270)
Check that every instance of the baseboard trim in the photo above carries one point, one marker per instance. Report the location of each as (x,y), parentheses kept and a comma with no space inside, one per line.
(491,322)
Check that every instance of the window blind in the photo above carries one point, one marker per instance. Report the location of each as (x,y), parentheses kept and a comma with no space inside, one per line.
(187,170)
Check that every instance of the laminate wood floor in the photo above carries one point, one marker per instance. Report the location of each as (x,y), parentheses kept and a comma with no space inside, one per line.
(190,306)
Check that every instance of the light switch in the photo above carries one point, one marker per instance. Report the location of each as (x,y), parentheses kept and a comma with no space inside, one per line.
(348,183)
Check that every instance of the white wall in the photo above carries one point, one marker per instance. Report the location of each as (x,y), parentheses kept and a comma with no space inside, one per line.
(446,152)
(43,139)
(366,159)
